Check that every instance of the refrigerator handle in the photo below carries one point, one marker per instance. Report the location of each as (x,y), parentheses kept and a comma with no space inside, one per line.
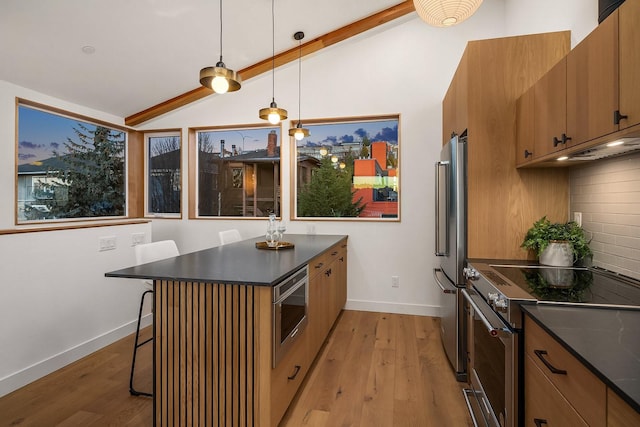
(440,251)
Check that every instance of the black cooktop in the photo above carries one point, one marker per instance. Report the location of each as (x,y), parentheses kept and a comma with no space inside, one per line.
(573,285)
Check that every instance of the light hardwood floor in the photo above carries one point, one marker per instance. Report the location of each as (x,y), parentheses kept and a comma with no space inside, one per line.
(376,369)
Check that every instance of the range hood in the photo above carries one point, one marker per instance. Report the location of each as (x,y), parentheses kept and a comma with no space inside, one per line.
(611,149)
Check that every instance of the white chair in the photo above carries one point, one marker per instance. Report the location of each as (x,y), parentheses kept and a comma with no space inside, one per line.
(229,236)
(145,253)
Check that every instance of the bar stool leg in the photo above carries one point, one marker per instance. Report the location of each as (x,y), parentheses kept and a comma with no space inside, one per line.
(132,390)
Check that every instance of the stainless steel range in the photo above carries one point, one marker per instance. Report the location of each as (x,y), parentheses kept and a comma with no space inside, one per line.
(494,294)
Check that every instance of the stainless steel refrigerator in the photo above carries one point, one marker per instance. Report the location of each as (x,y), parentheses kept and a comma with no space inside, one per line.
(451,249)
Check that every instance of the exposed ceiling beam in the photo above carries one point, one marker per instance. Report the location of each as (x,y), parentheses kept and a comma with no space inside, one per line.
(290,55)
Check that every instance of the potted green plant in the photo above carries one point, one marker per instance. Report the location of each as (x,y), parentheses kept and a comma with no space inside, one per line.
(558,244)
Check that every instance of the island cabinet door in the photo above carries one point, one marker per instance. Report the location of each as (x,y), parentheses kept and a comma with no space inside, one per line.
(212,354)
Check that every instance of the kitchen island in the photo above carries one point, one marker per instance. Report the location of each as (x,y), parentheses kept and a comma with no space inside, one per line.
(213,328)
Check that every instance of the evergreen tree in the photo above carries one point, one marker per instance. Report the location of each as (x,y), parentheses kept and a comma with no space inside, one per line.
(92,183)
(329,193)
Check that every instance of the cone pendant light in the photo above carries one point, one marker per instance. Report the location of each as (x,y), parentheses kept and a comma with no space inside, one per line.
(272,113)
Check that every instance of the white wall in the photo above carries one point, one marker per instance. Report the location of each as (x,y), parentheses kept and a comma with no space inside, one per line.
(55,304)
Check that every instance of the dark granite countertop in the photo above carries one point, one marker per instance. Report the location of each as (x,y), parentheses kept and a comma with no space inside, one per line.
(606,340)
(236,263)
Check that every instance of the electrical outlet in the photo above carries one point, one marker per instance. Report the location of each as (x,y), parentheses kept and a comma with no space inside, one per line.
(107,243)
(577,217)
(395,281)
(137,239)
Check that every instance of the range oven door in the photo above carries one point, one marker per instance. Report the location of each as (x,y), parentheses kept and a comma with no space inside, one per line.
(493,367)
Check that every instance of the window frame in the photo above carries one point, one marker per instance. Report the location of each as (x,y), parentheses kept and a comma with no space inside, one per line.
(193,172)
(160,134)
(129,155)
(294,178)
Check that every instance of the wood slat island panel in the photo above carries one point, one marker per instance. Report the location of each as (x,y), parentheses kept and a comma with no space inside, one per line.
(212,353)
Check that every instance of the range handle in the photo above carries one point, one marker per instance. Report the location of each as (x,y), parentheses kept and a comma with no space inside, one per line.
(495,326)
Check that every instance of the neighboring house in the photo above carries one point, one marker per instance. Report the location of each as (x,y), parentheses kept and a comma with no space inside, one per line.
(375,180)
(246,184)
(35,194)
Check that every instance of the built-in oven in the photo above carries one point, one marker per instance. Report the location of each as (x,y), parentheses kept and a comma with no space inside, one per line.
(290,305)
(493,365)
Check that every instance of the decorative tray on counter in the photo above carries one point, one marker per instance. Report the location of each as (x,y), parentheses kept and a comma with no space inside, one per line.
(280,245)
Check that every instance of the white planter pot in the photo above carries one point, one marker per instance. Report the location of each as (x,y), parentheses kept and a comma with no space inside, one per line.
(557,254)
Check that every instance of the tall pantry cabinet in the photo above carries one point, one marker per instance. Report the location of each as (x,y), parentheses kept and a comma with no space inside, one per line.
(502,201)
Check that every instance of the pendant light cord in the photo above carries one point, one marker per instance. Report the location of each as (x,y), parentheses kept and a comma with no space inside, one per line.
(299,76)
(220,30)
(273,51)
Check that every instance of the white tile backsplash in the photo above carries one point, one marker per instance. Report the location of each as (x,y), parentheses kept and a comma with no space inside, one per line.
(607,192)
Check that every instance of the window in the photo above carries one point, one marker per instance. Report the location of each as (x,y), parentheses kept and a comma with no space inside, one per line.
(348,169)
(163,171)
(69,166)
(237,171)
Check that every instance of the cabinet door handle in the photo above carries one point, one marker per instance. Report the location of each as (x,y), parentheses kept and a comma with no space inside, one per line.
(318,265)
(295,373)
(552,368)
(539,422)
(527,153)
(341,259)
(617,117)
(556,141)
(334,253)
(327,273)
(565,138)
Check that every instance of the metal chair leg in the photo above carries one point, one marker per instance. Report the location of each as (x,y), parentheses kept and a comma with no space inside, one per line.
(132,390)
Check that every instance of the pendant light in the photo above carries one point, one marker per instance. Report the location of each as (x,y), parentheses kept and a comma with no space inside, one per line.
(445,13)
(220,78)
(299,132)
(273,113)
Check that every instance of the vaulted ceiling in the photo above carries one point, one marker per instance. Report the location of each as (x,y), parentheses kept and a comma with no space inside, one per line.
(147,53)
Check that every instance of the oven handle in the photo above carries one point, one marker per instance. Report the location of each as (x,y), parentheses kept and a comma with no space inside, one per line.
(494,324)
(438,272)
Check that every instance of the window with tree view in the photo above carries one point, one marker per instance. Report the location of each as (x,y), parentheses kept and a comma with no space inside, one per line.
(238,171)
(349,168)
(163,174)
(68,168)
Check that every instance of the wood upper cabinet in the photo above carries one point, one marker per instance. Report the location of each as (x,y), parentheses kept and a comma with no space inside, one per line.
(454,105)
(629,46)
(550,111)
(592,84)
(502,201)
(525,128)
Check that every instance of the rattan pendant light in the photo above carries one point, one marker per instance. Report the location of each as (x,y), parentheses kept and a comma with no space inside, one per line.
(299,132)
(220,78)
(445,13)
(272,113)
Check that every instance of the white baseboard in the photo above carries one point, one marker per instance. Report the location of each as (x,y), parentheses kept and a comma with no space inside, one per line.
(398,308)
(38,370)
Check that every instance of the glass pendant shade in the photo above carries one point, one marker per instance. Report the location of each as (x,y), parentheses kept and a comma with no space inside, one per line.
(299,132)
(445,13)
(273,114)
(220,79)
